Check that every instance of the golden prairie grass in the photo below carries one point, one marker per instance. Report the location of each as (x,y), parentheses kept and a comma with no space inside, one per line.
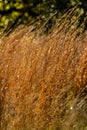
(43,79)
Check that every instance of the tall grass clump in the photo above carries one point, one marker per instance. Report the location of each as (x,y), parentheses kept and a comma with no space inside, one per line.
(43,77)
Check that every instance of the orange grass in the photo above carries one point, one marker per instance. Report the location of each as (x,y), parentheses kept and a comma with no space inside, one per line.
(43,80)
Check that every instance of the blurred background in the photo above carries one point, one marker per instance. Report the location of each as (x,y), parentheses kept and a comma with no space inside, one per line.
(15,12)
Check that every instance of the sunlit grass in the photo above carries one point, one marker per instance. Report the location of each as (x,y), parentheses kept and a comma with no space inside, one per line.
(43,79)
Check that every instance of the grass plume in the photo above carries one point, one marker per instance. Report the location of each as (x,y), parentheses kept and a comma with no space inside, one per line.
(43,79)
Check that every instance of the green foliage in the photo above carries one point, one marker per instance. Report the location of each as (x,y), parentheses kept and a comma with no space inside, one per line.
(14,12)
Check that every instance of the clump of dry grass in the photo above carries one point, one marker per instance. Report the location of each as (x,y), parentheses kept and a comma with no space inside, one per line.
(43,79)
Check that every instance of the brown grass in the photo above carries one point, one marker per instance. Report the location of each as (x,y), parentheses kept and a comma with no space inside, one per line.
(43,79)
